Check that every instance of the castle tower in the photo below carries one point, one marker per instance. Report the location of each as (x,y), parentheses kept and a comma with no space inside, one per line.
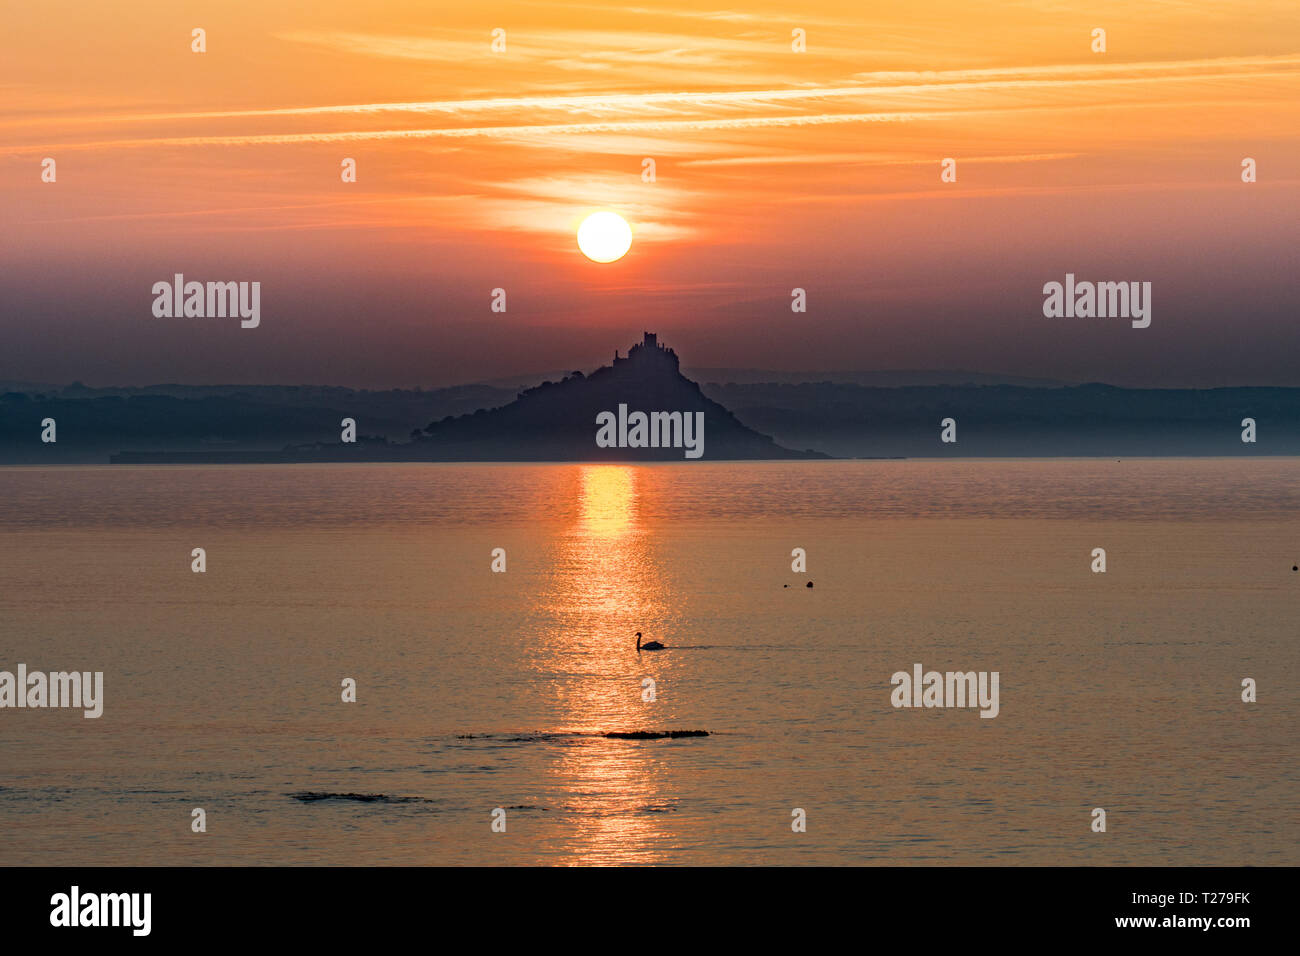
(649,353)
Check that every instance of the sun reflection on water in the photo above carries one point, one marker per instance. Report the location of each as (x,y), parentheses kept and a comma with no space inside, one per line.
(608,584)
(607,501)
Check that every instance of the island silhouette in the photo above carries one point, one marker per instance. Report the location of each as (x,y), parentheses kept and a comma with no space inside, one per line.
(553,421)
(748,414)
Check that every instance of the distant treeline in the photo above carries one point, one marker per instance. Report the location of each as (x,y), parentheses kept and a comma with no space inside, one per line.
(844,420)
(96,423)
(1007,420)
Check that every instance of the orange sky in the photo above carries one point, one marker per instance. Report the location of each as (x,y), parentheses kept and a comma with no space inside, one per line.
(775,169)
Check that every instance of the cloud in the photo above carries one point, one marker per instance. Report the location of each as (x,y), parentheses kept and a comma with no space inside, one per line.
(888,90)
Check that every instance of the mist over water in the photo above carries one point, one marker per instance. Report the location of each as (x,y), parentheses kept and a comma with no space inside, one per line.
(479,690)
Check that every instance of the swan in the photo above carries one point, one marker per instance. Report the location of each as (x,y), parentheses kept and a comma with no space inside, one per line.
(648,645)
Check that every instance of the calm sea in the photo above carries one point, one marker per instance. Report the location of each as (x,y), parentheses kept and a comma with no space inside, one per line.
(479,690)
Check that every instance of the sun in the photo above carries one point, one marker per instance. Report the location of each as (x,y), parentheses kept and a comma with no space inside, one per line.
(604,237)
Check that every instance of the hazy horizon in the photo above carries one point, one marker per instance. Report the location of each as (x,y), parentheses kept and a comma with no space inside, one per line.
(950,376)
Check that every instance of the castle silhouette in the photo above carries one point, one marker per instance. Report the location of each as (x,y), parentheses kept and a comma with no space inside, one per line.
(646,352)
(553,421)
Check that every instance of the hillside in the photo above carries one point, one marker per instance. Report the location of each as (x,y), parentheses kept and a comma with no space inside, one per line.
(555,421)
